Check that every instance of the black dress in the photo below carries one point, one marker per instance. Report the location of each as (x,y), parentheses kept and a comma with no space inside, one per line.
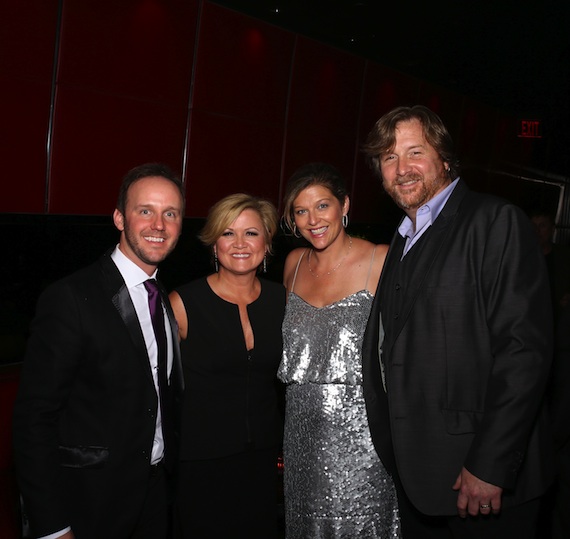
(231,428)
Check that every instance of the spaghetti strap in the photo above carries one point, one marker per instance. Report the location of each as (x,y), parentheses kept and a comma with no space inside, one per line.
(370,268)
(297,269)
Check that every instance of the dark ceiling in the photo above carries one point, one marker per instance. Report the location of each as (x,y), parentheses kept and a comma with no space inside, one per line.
(511,54)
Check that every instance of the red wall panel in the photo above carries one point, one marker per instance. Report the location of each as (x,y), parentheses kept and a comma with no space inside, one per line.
(23,139)
(27,41)
(447,104)
(138,48)
(383,89)
(476,132)
(262,100)
(113,134)
(238,108)
(243,66)
(324,106)
(230,155)
(122,98)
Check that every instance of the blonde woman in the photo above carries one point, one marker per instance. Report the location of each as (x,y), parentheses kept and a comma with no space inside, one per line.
(230,331)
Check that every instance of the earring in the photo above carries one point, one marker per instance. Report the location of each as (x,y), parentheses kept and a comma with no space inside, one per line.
(265,263)
(216,267)
(345,220)
(296,233)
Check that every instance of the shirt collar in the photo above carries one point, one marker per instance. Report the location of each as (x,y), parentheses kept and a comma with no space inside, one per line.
(427,214)
(132,274)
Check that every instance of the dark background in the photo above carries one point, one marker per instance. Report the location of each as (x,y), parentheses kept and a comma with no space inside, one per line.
(506,53)
(236,95)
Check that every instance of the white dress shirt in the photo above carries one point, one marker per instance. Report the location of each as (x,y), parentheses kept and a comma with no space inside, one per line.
(134,279)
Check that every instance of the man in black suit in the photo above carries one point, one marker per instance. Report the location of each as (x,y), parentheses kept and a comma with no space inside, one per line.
(457,350)
(94,429)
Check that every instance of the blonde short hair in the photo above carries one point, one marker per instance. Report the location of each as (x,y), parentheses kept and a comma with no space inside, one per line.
(224,212)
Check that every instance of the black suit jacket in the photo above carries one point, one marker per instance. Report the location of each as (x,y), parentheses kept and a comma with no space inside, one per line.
(467,358)
(85,413)
(558,390)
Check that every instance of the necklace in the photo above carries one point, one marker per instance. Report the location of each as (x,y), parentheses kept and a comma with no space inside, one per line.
(336,267)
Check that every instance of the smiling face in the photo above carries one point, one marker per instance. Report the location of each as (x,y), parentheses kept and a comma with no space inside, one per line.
(152,222)
(318,215)
(412,171)
(241,247)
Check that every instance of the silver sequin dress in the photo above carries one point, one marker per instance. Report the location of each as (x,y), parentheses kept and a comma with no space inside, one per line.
(335,484)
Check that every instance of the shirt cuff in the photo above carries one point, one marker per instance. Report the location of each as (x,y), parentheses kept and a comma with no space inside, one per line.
(56,534)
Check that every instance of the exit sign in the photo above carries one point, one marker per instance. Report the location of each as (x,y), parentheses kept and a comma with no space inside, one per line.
(530,129)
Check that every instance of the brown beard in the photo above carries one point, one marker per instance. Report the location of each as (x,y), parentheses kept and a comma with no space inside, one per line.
(425,193)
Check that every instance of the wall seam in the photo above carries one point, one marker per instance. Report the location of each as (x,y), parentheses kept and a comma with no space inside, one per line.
(53,90)
(191,93)
(282,179)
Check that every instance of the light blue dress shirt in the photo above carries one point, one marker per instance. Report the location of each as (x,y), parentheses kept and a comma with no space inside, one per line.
(425,216)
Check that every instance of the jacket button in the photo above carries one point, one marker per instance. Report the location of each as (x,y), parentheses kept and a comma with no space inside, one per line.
(398,286)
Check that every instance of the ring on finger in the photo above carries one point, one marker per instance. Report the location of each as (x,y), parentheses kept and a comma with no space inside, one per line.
(485,506)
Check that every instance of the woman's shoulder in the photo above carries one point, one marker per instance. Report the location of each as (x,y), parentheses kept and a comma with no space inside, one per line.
(294,256)
(366,248)
(370,260)
(381,249)
(291,263)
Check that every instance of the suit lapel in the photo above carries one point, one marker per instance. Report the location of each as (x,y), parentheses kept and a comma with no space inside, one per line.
(119,294)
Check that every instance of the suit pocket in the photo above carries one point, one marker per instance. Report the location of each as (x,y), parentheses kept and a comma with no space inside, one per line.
(82,456)
(460,421)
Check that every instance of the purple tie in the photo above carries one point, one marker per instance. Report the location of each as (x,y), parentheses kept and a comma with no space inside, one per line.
(157,317)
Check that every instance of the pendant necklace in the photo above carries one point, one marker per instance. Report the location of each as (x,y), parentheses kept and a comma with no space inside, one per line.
(336,267)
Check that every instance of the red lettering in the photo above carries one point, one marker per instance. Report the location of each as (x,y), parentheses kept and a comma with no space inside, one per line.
(530,129)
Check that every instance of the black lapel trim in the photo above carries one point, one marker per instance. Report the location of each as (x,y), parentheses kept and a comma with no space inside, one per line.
(121,299)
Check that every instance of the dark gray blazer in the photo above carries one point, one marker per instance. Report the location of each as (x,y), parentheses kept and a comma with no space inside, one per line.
(467,358)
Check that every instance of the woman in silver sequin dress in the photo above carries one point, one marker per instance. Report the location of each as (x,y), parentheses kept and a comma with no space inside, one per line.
(335,484)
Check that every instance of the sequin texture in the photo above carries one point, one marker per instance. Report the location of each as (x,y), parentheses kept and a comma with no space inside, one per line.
(335,484)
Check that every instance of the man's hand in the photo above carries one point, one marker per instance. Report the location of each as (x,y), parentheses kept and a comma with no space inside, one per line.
(476,496)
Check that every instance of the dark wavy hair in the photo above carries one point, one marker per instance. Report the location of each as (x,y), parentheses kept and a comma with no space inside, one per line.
(382,137)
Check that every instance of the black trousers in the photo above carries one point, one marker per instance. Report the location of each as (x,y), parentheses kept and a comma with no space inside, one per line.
(150,520)
(154,520)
